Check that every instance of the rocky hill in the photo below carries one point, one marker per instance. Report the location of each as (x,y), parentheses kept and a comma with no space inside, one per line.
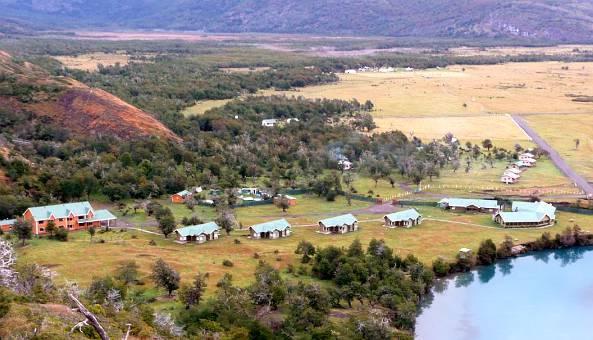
(26,88)
(554,20)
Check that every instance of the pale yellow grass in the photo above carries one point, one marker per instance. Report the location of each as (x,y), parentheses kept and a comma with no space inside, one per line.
(89,62)
(521,50)
(203,106)
(505,88)
(499,128)
(243,69)
(560,131)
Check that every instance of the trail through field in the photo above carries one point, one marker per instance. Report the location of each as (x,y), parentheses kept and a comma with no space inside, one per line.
(555,156)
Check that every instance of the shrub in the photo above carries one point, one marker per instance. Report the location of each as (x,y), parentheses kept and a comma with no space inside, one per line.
(487,252)
(227,263)
(102,241)
(237,241)
(152,243)
(256,256)
(61,235)
(441,267)
(134,237)
(290,268)
(276,251)
(278,258)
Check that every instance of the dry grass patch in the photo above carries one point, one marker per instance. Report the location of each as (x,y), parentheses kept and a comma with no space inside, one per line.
(560,131)
(200,107)
(90,62)
(467,90)
(498,128)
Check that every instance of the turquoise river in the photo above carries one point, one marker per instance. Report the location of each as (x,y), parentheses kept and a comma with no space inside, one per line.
(546,295)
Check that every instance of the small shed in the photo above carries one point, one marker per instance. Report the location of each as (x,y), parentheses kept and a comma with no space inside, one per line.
(181,196)
(339,224)
(199,233)
(292,201)
(270,230)
(465,253)
(407,218)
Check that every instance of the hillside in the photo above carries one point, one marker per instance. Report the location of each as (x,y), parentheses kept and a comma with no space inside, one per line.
(69,104)
(555,20)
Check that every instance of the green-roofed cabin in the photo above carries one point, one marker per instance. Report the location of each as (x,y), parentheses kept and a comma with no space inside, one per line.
(270,230)
(338,225)
(6,225)
(200,233)
(407,219)
(469,204)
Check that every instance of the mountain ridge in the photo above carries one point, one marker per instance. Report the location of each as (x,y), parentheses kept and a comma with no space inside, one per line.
(554,20)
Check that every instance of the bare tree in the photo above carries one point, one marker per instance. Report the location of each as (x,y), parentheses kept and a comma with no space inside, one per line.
(90,318)
(7,261)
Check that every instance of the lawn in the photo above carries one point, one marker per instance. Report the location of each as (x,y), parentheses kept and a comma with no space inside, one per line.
(89,62)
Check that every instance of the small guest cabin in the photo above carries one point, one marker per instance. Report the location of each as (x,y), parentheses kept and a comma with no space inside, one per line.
(339,224)
(407,219)
(527,215)
(465,204)
(270,230)
(509,178)
(181,196)
(515,171)
(269,122)
(527,156)
(291,200)
(6,225)
(200,233)
(522,164)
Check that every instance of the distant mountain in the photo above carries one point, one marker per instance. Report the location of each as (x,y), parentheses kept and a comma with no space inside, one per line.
(556,20)
(27,89)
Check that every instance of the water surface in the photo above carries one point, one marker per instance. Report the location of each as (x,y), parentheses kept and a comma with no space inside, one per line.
(548,295)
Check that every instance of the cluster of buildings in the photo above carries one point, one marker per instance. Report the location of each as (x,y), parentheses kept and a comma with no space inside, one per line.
(512,174)
(69,216)
(274,121)
(383,69)
(276,229)
(518,215)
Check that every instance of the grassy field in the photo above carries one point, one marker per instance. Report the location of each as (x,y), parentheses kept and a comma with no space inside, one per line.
(499,128)
(441,234)
(89,62)
(542,180)
(506,88)
(203,106)
(560,131)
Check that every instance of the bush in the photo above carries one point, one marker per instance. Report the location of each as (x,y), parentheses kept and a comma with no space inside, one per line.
(102,241)
(290,268)
(152,243)
(256,256)
(61,235)
(134,237)
(441,267)
(278,258)
(237,241)
(227,263)
(487,252)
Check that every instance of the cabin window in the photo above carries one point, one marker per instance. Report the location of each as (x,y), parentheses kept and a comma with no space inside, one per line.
(41,222)
(69,226)
(41,229)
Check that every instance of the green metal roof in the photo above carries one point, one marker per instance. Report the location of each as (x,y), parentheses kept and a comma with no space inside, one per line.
(183,193)
(348,219)
(195,230)
(60,210)
(538,207)
(279,225)
(102,215)
(466,202)
(410,214)
(523,216)
(7,222)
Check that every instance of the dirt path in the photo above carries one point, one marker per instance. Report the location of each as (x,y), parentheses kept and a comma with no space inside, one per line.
(555,156)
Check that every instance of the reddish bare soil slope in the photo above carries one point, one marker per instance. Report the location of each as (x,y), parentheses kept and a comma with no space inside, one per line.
(75,106)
